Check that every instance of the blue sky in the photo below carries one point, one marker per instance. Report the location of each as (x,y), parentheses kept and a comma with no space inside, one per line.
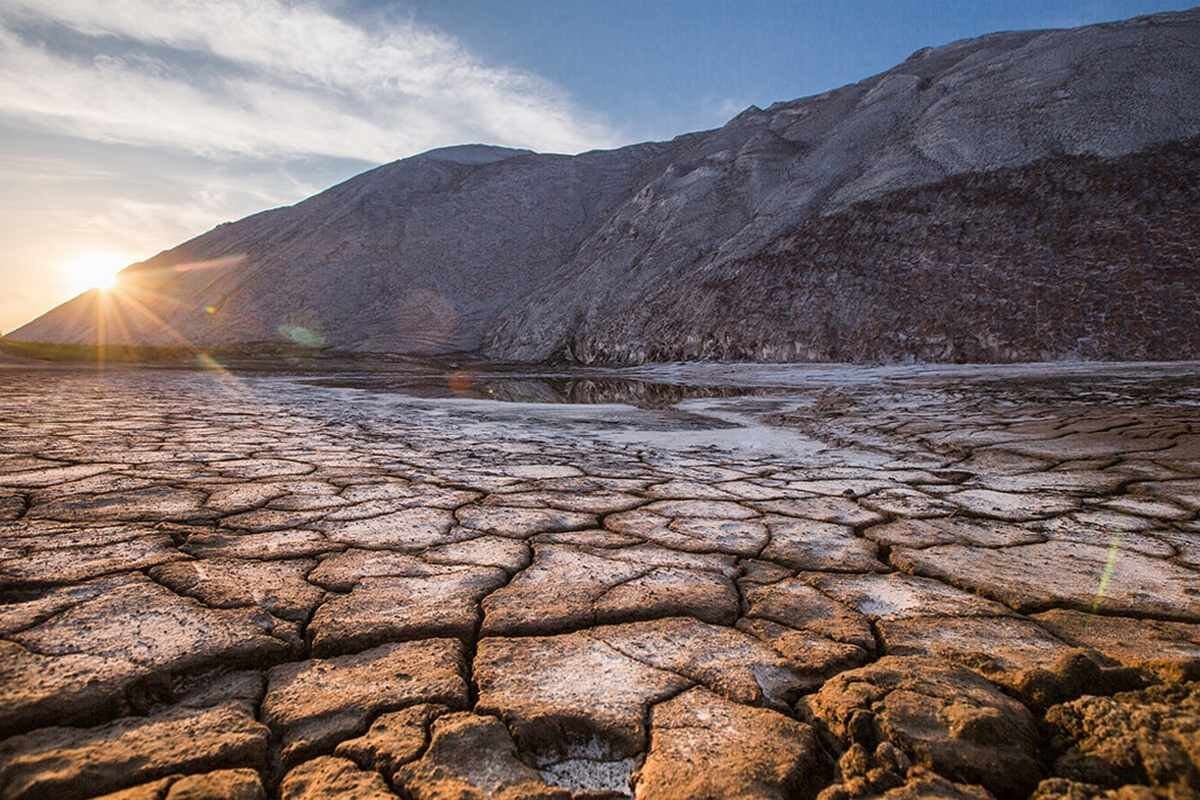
(127,126)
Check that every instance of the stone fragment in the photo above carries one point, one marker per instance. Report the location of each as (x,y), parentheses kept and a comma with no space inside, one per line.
(258,546)
(28,566)
(567,588)
(520,523)
(483,551)
(151,504)
(314,704)
(329,778)
(906,502)
(276,586)
(704,746)
(410,529)
(896,595)
(473,757)
(941,716)
(569,695)
(803,544)
(1009,651)
(725,660)
(1012,506)
(227,784)
(85,659)
(920,533)
(393,739)
(737,536)
(837,510)
(66,763)
(398,608)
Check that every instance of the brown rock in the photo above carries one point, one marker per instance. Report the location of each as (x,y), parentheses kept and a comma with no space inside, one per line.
(1009,651)
(1081,576)
(570,694)
(64,763)
(566,588)
(327,778)
(83,661)
(276,586)
(704,746)
(1149,737)
(1169,650)
(473,757)
(393,739)
(314,704)
(940,716)
(392,609)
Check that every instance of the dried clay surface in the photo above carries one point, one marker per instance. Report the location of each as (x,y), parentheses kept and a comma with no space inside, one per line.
(898,583)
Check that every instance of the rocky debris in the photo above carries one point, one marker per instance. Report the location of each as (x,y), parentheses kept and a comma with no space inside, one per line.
(938,715)
(1145,738)
(470,756)
(81,762)
(315,704)
(703,746)
(380,610)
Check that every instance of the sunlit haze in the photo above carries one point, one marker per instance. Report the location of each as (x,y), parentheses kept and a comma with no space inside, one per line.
(128,128)
(94,271)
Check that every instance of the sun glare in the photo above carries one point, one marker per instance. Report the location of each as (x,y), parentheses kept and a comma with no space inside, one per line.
(94,270)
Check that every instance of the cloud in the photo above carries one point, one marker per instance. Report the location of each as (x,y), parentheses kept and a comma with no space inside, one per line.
(265,78)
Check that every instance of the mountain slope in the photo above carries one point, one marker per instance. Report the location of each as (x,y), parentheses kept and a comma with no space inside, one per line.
(1003,198)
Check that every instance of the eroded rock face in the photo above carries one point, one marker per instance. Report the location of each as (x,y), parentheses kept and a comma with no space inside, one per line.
(940,716)
(859,224)
(703,746)
(1147,738)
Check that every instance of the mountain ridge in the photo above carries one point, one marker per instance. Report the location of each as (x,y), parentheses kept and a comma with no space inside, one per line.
(525,256)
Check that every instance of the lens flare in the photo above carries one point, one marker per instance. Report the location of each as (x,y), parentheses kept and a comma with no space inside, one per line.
(94,271)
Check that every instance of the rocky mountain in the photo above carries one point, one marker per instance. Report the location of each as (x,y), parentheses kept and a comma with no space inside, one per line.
(1028,195)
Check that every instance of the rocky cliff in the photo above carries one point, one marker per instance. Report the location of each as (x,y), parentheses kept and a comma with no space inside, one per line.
(1018,196)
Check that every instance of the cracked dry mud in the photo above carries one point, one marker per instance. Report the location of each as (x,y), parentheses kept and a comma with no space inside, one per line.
(215,586)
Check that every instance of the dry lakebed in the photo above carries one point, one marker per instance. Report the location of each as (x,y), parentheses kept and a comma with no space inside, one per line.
(681,581)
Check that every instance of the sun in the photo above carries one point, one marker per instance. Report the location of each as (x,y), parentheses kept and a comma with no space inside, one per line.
(94,270)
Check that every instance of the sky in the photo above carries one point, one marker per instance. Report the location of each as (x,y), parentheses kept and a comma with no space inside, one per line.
(129,126)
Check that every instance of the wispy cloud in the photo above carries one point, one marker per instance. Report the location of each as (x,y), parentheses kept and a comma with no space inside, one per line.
(264,78)
(128,126)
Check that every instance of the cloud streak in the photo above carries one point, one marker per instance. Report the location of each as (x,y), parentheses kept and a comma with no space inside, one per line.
(263,78)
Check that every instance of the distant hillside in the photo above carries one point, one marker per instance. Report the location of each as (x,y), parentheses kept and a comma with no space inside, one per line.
(1018,196)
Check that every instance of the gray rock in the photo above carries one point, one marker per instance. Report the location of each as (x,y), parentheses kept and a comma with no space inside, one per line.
(1011,197)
